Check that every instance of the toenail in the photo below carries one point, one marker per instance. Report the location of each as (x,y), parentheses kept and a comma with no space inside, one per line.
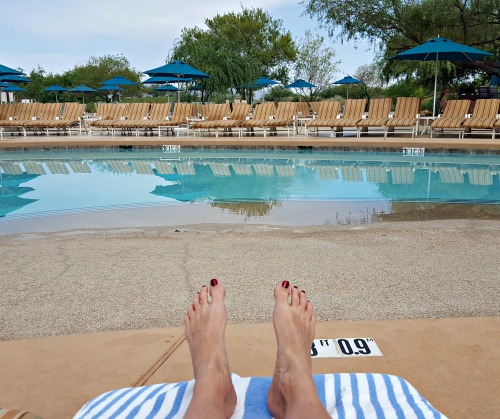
(303,291)
(296,287)
(214,282)
(285,284)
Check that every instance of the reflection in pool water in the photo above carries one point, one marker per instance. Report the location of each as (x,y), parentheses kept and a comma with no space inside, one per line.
(249,183)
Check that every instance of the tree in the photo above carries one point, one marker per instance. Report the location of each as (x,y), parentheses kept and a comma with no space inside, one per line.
(397,25)
(371,76)
(236,49)
(98,69)
(315,64)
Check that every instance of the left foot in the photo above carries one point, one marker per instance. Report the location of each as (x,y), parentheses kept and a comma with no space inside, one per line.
(205,326)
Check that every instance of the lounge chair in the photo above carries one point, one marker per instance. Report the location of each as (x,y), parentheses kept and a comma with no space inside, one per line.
(323,112)
(238,114)
(182,112)
(133,115)
(107,114)
(263,112)
(47,112)
(159,114)
(406,116)
(71,117)
(484,118)
(285,113)
(352,114)
(378,114)
(212,114)
(452,118)
(24,113)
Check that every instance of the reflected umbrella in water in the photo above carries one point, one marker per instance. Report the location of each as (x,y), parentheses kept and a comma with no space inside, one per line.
(182,192)
(9,204)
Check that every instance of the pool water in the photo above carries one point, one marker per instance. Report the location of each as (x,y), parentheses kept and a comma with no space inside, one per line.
(53,182)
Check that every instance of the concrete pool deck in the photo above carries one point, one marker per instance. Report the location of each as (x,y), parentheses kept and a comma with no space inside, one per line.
(442,269)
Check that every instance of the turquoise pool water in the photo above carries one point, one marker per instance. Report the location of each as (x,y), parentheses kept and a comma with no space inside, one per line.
(55,182)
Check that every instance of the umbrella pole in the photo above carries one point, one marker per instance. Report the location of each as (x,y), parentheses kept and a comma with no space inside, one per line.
(435,86)
(179,89)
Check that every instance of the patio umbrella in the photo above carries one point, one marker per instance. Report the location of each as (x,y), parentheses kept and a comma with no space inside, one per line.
(300,84)
(441,49)
(7,70)
(119,81)
(82,89)
(348,80)
(177,69)
(162,80)
(12,88)
(495,81)
(14,78)
(167,88)
(55,88)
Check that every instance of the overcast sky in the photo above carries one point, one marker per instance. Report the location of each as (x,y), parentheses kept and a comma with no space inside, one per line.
(57,34)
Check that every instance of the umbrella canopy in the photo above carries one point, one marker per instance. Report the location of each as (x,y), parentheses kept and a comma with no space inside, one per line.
(12,88)
(119,80)
(15,78)
(56,88)
(495,81)
(7,70)
(443,49)
(299,84)
(265,81)
(166,88)
(162,80)
(348,80)
(177,69)
(110,88)
(3,84)
(81,89)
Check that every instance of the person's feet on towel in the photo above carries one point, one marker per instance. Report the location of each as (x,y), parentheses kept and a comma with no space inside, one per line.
(293,392)
(205,325)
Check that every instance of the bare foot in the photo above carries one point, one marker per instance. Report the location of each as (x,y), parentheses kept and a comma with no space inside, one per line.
(293,392)
(205,326)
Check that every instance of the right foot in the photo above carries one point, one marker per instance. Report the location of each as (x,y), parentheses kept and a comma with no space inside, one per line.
(205,325)
(293,392)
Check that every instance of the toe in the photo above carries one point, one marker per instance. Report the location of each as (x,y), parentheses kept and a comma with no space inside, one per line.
(204,295)
(217,290)
(295,296)
(282,291)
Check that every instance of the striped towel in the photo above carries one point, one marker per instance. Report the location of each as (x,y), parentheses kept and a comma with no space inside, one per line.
(343,395)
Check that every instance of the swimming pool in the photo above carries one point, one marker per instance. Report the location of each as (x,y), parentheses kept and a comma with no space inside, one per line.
(248,182)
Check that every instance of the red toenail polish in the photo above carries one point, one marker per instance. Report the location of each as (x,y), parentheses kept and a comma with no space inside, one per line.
(285,284)
(303,291)
(214,282)
(296,287)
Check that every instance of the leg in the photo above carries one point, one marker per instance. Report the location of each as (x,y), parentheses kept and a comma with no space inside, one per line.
(205,326)
(293,393)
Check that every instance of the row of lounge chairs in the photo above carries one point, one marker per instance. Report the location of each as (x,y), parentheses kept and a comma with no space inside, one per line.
(485,118)
(266,117)
(40,117)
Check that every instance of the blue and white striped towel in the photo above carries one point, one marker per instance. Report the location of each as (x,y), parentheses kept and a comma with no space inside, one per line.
(343,395)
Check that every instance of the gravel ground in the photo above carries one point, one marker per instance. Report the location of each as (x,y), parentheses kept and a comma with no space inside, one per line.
(96,280)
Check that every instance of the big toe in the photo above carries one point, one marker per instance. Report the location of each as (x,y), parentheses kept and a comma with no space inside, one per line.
(282,292)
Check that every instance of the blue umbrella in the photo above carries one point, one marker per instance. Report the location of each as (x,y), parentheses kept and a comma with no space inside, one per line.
(55,88)
(119,80)
(12,88)
(348,80)
(7,70)
(166,88)
(3,84)
(300,84)
(111,88)
(177,69)
(161,80)
(14,78)
(495,81)
(81,89)
(436,49)
(265,81)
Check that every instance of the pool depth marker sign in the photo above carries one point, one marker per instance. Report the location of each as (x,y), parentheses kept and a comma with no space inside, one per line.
(414,151)
(344,347)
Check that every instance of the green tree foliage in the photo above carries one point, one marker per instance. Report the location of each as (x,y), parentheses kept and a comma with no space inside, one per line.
(236,49)
(315,64)
(98,69)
